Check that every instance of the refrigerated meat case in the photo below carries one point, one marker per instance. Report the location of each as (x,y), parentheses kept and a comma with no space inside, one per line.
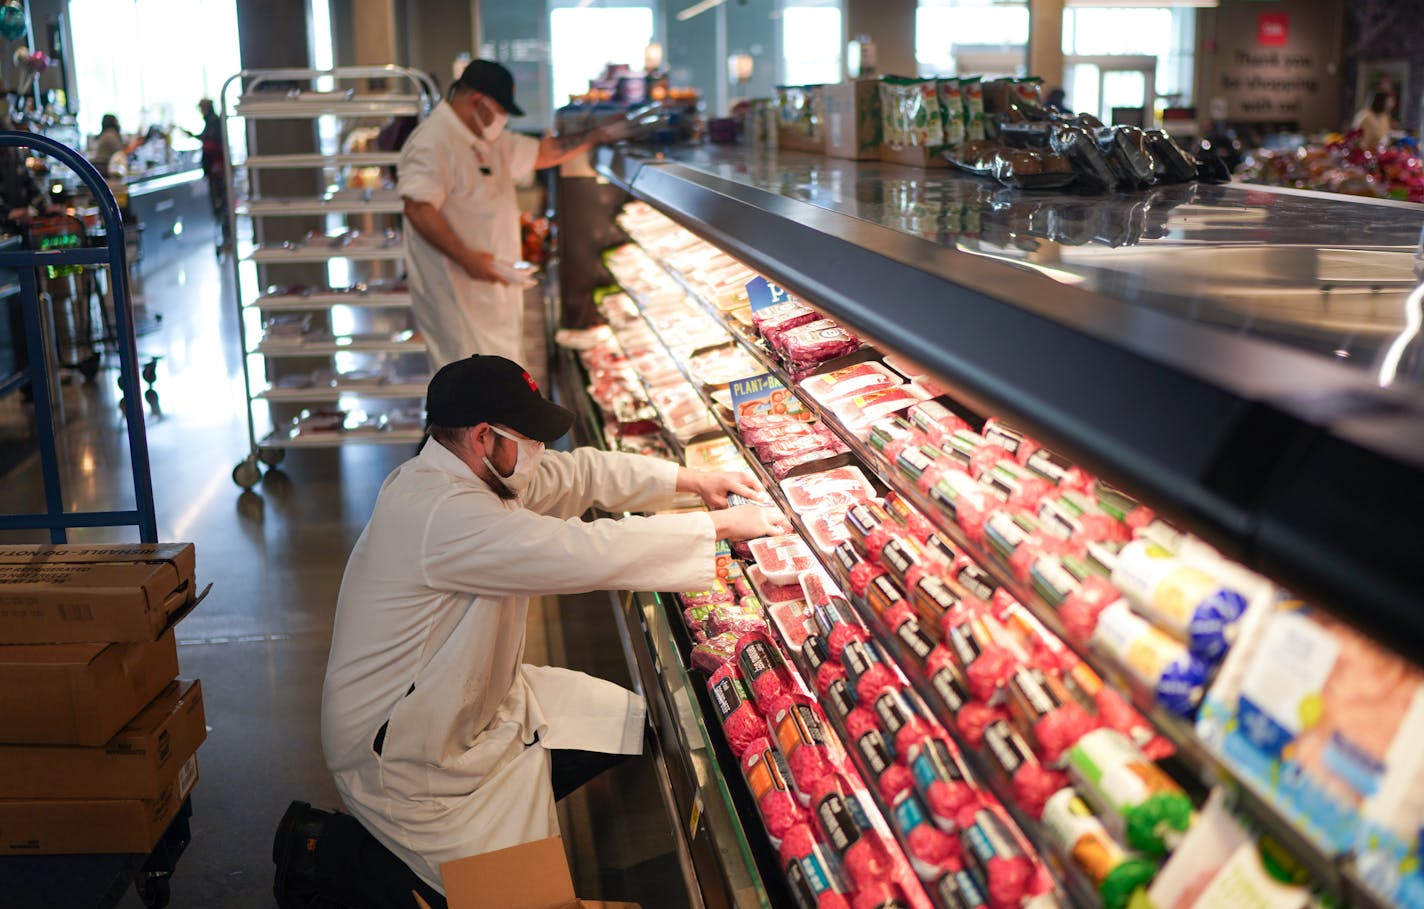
(1245,360)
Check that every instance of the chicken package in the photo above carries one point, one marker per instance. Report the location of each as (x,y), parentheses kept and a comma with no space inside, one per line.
(816,342)
(860,379)
(1331,726)
(840,488)
(782,558)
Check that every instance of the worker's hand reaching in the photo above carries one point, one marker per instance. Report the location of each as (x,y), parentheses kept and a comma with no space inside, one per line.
(748,522)
(480,266)
(713,487)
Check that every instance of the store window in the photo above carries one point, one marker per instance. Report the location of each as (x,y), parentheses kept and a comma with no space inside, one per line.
(158,86)
(811,42)
(1118,59)
(584,39)
(978,37)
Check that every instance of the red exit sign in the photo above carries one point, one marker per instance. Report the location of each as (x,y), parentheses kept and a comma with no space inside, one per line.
(1273,29)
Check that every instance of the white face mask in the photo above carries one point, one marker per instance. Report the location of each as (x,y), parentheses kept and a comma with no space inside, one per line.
(491,131)
(526,463)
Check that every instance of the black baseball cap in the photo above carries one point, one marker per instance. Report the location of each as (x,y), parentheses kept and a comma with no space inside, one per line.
(489,78)
(485,389)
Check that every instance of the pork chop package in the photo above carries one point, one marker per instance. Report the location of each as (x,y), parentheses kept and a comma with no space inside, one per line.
(1331,726)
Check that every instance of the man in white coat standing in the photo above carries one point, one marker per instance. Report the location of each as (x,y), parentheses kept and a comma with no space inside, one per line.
(457,179)
(443,744)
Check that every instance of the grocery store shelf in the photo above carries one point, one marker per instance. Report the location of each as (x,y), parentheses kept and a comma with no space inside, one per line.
(344,437)
(1287,461)
(308,302)
(1192,758)
(355,159)
(339,345)
(322,205)
(315,252)
(332,393)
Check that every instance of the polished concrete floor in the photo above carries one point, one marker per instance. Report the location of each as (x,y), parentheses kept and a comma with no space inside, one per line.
(275,557)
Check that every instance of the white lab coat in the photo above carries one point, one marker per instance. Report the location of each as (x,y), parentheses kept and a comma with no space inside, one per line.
(429,638)
(444,163)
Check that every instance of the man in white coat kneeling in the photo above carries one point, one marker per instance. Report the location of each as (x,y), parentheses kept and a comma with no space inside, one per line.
(443,744)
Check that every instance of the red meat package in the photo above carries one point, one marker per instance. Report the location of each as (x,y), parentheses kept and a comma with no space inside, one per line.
(860,379)
(790,446)
(782,558)
(771,593)
(766,774)
(943,782)
(796,726)
(842,822)
(773,321)
(792,622)
(738,620)
(813,872)
(763,668)
(732,703)
(932,852)
(766,433)
(713,652)
(935,420)
(827,528)
(840,488)
(783,468)
(816,342)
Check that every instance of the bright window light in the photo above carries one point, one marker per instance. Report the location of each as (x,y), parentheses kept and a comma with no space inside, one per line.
(946,30)
(811,45)
(586,39)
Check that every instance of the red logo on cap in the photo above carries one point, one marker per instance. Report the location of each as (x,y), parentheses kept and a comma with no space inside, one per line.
(530,379)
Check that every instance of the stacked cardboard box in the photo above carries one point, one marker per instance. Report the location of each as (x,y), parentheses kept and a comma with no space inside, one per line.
(98,736)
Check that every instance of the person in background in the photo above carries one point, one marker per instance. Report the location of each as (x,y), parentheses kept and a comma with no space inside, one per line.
(1055,100)
(442,742)
(1374,122)
(110,142)
(458,172)
(214,170)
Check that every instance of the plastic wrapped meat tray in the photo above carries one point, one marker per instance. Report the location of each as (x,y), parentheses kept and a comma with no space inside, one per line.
(772,593)
(860,379)
(827,529)
(859,412)
(839,489)
(782,558)
(774,321)
(816,342)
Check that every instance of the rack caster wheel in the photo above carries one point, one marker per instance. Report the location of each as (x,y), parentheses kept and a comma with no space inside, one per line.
(150,372)
(89,367)
(154,890)
(271,456)
(247,474)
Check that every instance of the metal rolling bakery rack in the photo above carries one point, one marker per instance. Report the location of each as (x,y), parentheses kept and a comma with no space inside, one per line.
(1201,767)
(340,94)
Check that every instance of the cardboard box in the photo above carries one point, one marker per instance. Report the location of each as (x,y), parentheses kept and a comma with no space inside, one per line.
(63,826)
(79,694)
(135,764)
(78,593)
(530,876)
(915,156)
(853,126)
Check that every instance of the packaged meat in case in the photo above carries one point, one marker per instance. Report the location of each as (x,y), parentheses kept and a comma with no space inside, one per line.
(840,488)
(785,467)
(816,342)
(860,379)
(782,558)
(1329,725)
(859,411)
(827,529)
(771,592)
(775,320)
